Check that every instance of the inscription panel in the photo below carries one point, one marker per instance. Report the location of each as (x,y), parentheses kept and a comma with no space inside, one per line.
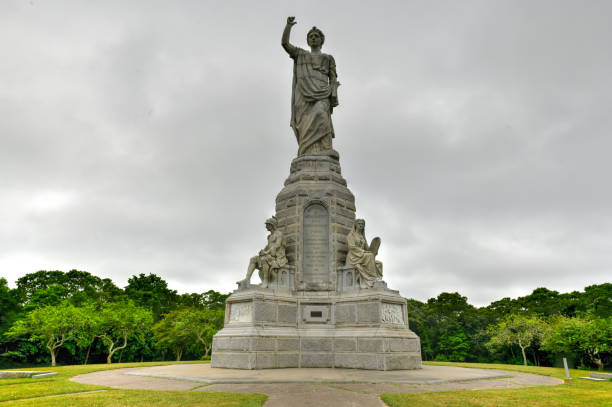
(392,313)
(315,245)
(241,312)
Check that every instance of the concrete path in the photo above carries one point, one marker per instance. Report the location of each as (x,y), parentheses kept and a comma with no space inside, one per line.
(313,387)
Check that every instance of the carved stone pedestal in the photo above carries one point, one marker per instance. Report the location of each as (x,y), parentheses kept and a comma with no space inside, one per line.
(315,313)
(366,329)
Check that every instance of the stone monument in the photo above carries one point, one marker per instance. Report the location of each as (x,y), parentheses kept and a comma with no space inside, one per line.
(322,301)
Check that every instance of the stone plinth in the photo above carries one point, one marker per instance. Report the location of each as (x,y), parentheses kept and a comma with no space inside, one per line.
(364,330)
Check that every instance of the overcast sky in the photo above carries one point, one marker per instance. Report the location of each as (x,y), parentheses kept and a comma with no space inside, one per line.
(153,137)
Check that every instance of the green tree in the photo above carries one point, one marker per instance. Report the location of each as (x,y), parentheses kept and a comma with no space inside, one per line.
(518,330)
(118,321)
(579,337)
(53,325)
(89,329)
(9,306)
(174,332)
(455,345)
(52,287)
(597,300)
(202,324)
(152,292)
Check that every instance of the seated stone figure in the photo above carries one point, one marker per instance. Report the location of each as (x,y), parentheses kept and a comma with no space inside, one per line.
(270,259)
(361,256)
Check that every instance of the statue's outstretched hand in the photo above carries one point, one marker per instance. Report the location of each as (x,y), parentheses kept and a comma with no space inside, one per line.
(291,21)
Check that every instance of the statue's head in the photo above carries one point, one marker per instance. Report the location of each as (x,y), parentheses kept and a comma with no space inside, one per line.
(315,38)
(359,225)
(271,223)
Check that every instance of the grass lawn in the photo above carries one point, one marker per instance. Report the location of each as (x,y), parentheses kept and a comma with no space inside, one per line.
(53,391)
(574,393)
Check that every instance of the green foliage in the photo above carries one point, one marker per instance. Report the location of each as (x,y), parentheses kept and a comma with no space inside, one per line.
(118,321)
(454,346)
(53,325)
(201,324)
(580,338)
(9,306)
(52,287)
(175,332)
(518,330)
(151,292)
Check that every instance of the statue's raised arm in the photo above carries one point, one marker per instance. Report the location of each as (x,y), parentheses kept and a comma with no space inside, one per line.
(286,33)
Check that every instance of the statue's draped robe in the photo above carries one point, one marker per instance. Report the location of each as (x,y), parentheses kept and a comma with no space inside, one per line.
(311,100)
(274,254)
(362,260)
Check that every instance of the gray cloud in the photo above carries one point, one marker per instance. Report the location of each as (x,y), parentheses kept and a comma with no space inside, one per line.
(148,137)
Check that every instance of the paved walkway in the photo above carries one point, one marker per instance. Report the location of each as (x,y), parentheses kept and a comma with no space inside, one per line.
(313,387)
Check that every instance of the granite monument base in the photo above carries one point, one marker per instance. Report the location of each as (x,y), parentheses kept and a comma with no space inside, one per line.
(361,329)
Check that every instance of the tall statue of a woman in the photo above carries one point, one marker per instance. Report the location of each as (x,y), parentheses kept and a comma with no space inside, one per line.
(314,95)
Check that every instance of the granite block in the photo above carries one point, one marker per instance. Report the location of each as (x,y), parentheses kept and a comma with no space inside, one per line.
(265,311)
(291,344)
(345,345)
(372,345)
(368,312)
(265,343)
(288,360)
(287,313)
(356,361)
(265,361)
(316,344)
(317,360)
(345,313)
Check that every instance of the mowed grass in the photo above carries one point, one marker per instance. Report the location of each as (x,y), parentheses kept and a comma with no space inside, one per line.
(573,393)
(60,391)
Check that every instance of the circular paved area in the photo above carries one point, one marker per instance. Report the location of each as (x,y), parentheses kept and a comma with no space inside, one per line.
(313,387)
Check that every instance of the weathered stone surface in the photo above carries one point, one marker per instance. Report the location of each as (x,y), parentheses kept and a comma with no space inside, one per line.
(316,344)
(263,343)
(346,313)
(287,313)
(290,344)
(315,259)
(317,360)
(402,345)
(265,311)
(398,362)
(239,343)
(233,360)
(265,361)
(369,345)
(356,361)
(288,360)
(368,312)
(345,345)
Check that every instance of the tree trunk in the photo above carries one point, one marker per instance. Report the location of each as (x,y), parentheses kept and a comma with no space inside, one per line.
(598,362)
(111,352)
(179,353)
(524,356)
(52,356)
(87,356)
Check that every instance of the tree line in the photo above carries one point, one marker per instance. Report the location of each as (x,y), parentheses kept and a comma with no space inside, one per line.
(77,318)
(539,329)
